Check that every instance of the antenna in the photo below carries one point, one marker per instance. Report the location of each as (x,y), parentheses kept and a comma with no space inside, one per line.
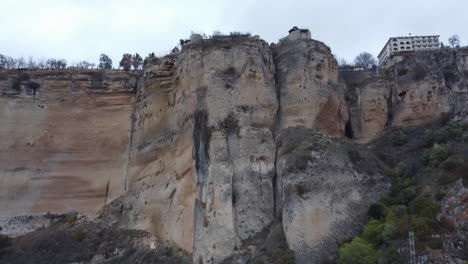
(411,246)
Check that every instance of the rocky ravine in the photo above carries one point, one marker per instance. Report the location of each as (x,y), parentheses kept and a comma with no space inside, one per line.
(221,141)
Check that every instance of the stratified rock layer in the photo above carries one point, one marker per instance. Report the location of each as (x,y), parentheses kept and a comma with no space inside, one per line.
(64,140)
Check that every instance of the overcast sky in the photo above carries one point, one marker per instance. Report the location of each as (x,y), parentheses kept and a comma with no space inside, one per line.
(83,29)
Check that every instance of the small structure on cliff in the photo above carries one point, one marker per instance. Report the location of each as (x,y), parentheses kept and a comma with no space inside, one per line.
(297,33)
(397,45)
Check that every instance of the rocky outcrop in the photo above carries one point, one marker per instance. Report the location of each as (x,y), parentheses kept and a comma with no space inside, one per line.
(309,92)
(203,147)
(418,89)
(64,140)
(324,191)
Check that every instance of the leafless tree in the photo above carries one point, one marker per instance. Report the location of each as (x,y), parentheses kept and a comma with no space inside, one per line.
(454,41)
(365,60)
(31,63)
(21,63)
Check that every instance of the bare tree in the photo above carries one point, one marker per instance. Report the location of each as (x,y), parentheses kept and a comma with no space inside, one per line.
(454,41)
(21,63)
(85,65)
(3,62)
(31,63)
(365,60)
(137,61)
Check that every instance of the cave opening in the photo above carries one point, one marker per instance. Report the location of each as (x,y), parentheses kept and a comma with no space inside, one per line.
(349,130)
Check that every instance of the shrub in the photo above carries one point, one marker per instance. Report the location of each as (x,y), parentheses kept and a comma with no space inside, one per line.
(399,138)
(78,235)
(373,232)
(390,227)
(376,211)
(437,155)
(440,196)
(422,227)
(423,206)
(436,243)
(70,219)
(354,156)
(282,256)
(358,251)
(451,163)
(391,256)
(398,171)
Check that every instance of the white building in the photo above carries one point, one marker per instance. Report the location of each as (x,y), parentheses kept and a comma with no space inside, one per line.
(404,44)
(297,33)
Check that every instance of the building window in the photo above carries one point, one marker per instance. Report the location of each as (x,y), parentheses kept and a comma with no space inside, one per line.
(408,42)
(395,49)
(394,44)
(394,39)
(408,47)
(402,43)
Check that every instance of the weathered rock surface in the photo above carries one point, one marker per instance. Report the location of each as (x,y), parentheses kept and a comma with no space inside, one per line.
(309,92)
(420,88)
(201,173)
(324,189)
(64,140)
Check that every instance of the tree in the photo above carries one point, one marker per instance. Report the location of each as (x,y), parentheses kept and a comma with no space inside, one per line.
(85,65)
(126,62)
(21,63)
(61,64)
(137,61)
(454,41)
(51,64)
(31,63)
(3,62)
(358,251)
(105,62)
(365,60)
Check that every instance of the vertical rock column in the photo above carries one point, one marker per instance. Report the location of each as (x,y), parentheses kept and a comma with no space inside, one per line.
(234,150)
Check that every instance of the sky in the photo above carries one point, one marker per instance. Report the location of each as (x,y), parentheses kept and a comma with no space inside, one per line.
(78,30)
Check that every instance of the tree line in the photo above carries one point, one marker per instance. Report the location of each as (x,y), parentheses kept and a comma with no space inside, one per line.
(127,62)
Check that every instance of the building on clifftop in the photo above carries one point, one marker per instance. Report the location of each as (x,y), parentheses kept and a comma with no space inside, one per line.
(397,45)
(297,33)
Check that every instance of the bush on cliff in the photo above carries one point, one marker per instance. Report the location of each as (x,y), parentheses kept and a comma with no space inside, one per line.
(358,251)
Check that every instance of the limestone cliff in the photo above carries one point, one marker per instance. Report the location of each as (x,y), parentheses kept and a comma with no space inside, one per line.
(64,141)
(418,89)
(220,147)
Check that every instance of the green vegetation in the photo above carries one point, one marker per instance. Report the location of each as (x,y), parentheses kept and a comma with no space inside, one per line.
(436,156)
(451,163)
(78,235)
(70,219)
(358,251)
(282,256)
(399,138)
(354,156)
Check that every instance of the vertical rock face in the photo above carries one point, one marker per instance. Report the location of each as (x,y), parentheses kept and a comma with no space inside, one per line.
(64,140)
(368,99)
(310,94)
(420,88)
(325,191)
(203,154)
(321,195)
(234,147)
